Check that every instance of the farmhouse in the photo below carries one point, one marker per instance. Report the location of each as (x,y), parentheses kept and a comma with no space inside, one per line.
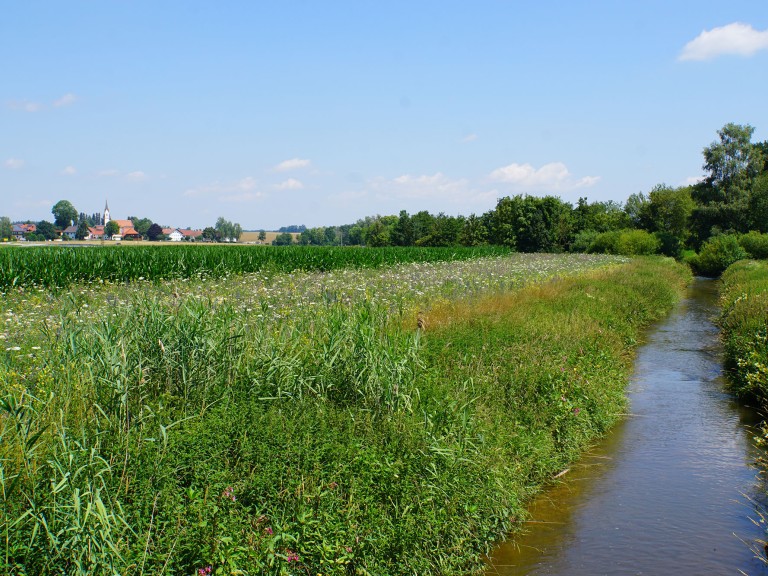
(19,230)
(179,234)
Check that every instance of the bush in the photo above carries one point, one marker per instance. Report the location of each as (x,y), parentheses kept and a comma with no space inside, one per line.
(583,241)
(605,243)
(669,244)
(627,242)
(637,243)
(717,254)
(755,244)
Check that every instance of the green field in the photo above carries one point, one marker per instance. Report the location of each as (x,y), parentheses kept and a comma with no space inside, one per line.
(60,266)
(300,422)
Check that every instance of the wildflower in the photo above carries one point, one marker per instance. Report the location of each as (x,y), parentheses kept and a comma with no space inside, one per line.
(204,571)
(229,493)
(291,556)
(576,410)
(268,530)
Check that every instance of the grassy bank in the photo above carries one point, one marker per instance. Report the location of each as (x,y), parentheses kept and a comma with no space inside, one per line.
(744,322)
(302,424)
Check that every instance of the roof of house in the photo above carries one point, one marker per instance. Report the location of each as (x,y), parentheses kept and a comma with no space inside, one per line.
(70,229)
(191,233)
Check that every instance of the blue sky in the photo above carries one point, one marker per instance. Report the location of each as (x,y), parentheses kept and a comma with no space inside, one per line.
(320,113)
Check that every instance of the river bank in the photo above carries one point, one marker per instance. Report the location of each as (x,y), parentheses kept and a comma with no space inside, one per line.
(671,488)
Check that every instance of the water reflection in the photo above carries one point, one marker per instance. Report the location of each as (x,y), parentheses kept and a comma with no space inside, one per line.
(664,493)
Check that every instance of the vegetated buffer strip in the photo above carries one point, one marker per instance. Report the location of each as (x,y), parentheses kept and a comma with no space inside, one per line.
(304,423)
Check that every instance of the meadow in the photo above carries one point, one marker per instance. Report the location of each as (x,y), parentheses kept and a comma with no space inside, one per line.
(373,419)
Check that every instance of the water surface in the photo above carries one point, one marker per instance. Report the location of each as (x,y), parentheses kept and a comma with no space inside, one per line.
(665,492)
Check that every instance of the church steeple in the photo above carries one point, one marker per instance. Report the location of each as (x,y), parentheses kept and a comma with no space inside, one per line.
(106,213)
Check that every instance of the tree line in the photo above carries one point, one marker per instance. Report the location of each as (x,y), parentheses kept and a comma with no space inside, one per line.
(732,199)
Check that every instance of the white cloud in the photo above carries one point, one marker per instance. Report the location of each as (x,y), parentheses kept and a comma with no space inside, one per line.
(469,138)
(550,177)
(137,176)
(290,184)
(736,39)
(14,163)
(292,164)
(69,171)
(65,100)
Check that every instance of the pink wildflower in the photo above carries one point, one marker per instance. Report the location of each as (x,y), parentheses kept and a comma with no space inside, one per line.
(291,556)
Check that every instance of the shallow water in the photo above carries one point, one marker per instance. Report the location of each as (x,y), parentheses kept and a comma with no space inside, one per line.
(666,492)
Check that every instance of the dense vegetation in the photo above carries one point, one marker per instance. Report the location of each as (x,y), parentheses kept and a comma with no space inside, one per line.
(302,423)
(63,266)
(744,321)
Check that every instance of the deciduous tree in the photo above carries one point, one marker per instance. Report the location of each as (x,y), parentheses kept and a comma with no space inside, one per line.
(64,213)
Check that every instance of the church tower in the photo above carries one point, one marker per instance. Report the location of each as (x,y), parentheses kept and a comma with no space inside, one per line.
(106,213)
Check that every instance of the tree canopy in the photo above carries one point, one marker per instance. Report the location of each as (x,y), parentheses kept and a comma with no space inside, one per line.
(64,213)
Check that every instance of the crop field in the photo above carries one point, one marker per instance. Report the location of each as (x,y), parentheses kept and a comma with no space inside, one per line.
(366,418)
(59,266)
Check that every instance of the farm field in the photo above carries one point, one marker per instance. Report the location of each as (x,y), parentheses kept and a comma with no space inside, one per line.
(354,419)
(59,266)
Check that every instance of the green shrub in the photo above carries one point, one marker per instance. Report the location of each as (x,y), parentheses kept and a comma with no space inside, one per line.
(669,244)
(605,243)
(756,245)
(626,242)
(583,241)
(717,254)
(637,243)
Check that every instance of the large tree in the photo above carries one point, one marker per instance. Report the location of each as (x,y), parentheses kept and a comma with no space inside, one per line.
(723,198)
(64,213)
(732,163)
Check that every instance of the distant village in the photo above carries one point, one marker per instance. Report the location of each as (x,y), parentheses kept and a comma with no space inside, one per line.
(104,227)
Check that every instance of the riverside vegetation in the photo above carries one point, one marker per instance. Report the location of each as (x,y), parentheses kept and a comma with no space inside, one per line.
(744,323)
(301,423)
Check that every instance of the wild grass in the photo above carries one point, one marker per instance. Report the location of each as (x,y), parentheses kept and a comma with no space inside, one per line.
(744,323)
(302,423)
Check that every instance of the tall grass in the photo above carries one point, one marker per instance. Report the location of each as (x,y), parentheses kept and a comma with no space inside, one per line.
(171,432)
(61,266)
(744,322)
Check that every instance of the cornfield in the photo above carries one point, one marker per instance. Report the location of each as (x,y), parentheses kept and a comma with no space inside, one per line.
(59,267)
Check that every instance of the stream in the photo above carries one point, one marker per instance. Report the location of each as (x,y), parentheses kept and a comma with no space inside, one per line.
(668,491)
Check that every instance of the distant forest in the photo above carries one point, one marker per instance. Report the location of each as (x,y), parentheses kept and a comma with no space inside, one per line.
(732,199)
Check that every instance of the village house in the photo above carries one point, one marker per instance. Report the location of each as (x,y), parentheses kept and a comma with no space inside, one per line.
(179,234)
(19,230)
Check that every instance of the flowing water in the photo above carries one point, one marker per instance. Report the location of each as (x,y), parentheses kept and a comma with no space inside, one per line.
(668,492)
